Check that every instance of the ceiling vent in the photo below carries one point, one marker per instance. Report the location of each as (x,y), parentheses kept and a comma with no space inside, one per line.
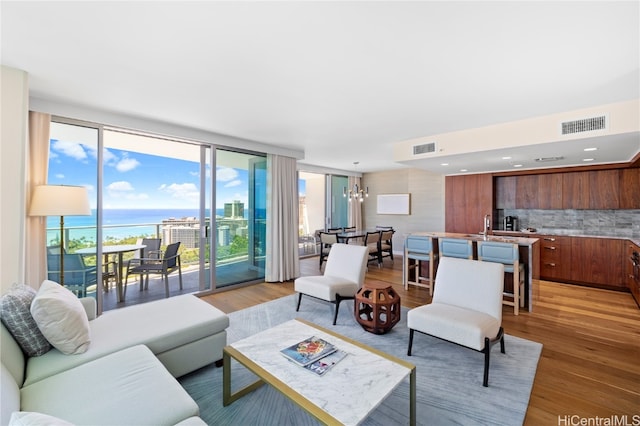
(426,148)
(584,125)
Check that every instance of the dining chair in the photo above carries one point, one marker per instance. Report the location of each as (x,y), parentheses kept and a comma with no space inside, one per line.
(418,249)
(386,243)
(507,254)
(170,262)
(372,243)
(327,240)
(455,247)
(78,277)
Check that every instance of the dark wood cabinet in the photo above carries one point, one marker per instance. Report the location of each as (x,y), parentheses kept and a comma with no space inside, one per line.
(505,188)
(604,189)
(550,191)
(597,261)
(575,190)
(630,188)
(468,198)
(527,192)
(632,270)
(555,258)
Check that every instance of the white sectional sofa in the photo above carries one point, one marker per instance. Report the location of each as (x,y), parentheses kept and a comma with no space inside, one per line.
(127,374)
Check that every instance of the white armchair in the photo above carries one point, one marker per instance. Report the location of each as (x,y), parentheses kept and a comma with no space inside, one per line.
(466,307)
(343,276)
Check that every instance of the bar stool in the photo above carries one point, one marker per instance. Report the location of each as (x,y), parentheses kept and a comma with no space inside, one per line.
(455,247)
(509,255)
(418,248)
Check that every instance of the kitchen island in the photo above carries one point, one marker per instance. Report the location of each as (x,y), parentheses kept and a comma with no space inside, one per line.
(529,249)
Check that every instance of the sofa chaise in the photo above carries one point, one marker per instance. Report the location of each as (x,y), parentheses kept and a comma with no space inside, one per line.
(127,373)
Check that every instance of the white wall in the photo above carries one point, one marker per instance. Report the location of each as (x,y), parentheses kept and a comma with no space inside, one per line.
(14,106)
(426,191)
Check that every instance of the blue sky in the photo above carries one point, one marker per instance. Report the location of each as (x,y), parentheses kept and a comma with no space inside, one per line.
(135,180)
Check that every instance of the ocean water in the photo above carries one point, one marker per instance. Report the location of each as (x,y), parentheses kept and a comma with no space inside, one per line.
(117,223)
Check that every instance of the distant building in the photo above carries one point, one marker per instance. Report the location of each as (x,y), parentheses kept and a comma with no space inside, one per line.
(224,235)
(234,209)
(186,230)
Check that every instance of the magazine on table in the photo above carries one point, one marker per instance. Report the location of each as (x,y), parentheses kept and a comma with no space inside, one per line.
(324,364)
(308,350)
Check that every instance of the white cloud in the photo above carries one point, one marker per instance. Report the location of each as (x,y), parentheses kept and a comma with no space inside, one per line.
(59,176)
(127,164)
(233,183)
(120,186)
(225,174)
(71,149)
(182,191)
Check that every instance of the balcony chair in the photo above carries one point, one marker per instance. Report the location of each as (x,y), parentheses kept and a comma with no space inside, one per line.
(466,307)
(169,263)
(78,277)
(418,249)
(152,251)
(507,254)
(343,277)
(327,240)
(455,247)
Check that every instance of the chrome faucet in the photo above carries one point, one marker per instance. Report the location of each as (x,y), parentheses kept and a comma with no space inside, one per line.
(486,226)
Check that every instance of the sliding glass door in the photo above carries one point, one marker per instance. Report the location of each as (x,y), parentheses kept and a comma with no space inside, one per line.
(240,217)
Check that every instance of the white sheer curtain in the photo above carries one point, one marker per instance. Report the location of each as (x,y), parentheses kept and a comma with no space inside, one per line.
(283,263)
(37,170)
(355,207)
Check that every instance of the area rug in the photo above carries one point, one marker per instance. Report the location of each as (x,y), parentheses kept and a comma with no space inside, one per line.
(449,377)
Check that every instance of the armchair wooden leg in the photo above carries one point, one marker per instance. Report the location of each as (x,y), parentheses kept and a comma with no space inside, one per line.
(410,342)
(487,354)
(299,300)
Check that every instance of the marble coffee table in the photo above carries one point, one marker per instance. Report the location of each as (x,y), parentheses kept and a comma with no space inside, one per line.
(346,394)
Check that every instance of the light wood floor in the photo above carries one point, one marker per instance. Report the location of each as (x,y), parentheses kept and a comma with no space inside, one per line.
(590,364)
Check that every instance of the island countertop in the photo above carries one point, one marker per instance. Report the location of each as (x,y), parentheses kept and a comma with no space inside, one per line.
(529,249)
(521,241)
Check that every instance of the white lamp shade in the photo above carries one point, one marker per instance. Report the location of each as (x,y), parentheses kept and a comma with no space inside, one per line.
(60,200)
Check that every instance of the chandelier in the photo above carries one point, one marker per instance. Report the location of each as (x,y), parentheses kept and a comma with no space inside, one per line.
(356,193)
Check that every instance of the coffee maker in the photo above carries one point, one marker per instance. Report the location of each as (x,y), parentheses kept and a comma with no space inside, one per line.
(510,223)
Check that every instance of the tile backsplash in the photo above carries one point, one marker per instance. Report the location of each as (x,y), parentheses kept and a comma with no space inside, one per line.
(606,223)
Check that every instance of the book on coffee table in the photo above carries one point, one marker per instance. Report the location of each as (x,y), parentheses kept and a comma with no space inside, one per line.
(324,364)
(308,350)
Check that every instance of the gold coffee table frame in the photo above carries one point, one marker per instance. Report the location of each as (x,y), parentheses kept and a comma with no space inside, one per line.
(228,397)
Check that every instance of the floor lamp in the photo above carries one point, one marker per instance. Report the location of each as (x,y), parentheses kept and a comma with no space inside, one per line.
(60,200)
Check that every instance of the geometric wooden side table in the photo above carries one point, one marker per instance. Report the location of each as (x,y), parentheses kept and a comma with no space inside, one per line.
(377,307)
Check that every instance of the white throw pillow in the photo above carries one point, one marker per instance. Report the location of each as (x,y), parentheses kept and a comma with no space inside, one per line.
(61,318)
(26,418)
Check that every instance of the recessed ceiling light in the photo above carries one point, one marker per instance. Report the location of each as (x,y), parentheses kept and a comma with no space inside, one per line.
(517,165)
(444,164)
(506,158)
(591,149)
(588,159)
(464,170)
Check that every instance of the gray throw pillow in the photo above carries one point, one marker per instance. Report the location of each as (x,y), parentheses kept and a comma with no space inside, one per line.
(15,312)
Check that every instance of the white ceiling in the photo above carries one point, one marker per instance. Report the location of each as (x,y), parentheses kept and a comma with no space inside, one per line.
(342,81)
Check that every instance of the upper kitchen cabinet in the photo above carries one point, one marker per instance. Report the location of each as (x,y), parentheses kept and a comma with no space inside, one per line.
(505,192)
(550,191)
(527,192)
(604,189)
(630,188)
(468,198)
(575,190)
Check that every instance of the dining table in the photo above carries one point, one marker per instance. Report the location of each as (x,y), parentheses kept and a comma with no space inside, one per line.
(344,237)
(119,250)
